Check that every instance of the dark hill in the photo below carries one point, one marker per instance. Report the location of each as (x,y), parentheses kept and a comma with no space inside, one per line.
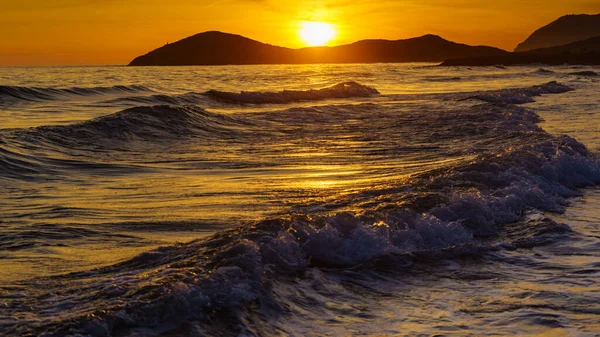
(216,48)
(565,30)
(578,47)
(585,52)
(427,48)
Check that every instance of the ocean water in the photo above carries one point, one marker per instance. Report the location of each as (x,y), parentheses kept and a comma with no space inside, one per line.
(318,200)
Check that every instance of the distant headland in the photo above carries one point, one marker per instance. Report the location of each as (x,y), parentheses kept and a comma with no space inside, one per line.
(565,30)
(572,39)
(585,52)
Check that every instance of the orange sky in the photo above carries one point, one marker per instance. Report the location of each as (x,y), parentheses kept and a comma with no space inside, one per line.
(50,32)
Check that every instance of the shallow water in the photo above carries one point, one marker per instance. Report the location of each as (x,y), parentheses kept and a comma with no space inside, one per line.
(404,199)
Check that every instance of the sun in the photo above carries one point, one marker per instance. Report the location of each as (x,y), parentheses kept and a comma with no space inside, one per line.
(317,33)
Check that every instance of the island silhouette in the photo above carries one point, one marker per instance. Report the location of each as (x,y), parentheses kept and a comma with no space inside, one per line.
(218,48)
(572,39)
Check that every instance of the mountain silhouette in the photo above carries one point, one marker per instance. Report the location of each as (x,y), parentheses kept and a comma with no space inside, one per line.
(586,52)
(565,30)
(214,48)
(217,48)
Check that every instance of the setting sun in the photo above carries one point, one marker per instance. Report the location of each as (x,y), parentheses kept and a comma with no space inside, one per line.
(317,33)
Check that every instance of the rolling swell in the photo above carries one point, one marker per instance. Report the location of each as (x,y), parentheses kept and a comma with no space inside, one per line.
(144,128)
(15,94)
(209,286)
(341,90)
(147,124)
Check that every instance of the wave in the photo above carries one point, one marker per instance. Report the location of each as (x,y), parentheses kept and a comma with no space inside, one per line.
(209,286)
(190,98)
(151,128)
(65,150)
(212,97)
(147,124)
(544,71)
(521,95)
(585,73)
(341,90)
(50,235)
(14,94)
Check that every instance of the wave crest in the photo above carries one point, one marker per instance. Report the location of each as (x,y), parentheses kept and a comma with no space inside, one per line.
(341,90)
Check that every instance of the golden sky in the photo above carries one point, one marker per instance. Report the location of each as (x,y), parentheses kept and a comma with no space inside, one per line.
(48,32)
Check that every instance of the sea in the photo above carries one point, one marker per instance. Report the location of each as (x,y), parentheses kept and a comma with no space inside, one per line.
(300,200)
